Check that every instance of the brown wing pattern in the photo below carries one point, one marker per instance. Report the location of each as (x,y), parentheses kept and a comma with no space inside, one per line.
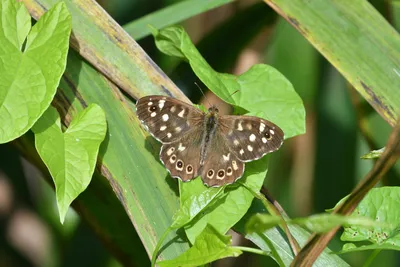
(222,165)
(250,138)
(182,158)
(166,118)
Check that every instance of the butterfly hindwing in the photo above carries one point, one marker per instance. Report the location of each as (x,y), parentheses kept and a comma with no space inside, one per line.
(222,165)
(250,138)
(182,158)
(167,119)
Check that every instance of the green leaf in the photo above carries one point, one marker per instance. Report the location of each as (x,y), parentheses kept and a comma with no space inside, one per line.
(373,154)
(209,246)
(193,201)
(322,223)
(70,156)
(262,90)
(232,204)
(261,222)
(170,15)
(364,52)
(380,205)
(318,223)
(29,77)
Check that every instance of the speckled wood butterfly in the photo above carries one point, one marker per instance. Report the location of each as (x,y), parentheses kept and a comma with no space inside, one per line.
(207,144)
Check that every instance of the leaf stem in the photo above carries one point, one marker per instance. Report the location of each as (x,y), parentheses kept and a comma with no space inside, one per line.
(157,248)
(371,257)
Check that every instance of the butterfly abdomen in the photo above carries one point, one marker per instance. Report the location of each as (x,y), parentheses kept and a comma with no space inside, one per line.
(210,125)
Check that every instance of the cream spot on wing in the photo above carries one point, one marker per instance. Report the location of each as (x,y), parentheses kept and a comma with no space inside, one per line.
(170,151)
(165,117)
(153,114)
(250,148)
(181,147)
(271,131)
(234,165)
(161,104)
(162,128)
(236,142)
(262,127)
(249,127)
(241,151)
(150,103)
(172,109)
(252,138)
(178,129)
(180,114)
(226,158)
(239,127)
(169,135)
(264,140)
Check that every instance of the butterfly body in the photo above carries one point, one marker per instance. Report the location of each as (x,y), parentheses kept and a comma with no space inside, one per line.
(208,144)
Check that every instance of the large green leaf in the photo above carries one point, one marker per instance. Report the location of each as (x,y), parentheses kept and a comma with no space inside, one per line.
(262,90)
(380,205)
(70,156)
(103,43)
(358,41)
(31,64)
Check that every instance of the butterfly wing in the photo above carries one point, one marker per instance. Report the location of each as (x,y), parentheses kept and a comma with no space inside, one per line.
(250,138)
(221,166)
(166,118)
(182,158)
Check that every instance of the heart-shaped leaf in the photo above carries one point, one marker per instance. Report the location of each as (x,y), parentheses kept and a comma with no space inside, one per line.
(262,90)
(70,156)
(30,73)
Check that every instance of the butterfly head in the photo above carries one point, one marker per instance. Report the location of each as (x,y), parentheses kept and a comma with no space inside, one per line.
(213,110)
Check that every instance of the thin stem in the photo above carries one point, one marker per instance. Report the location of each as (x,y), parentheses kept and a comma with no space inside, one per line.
(371,257)
(270,205)
(157,248)
(252,250)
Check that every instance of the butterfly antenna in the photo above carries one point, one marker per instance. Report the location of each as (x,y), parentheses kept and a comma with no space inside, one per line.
(203,94)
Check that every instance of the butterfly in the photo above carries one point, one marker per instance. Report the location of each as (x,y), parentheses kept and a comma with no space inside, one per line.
(208,144)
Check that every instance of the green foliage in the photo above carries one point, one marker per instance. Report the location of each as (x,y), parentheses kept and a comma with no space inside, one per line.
(373,154)
(31,66)
(278,102)
(380,205)
(170,15)
(209,246)
(32,62)
(318,223)
(70,156)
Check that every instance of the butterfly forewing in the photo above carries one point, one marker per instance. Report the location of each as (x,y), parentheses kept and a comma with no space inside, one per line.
(250,138)
(167,119)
